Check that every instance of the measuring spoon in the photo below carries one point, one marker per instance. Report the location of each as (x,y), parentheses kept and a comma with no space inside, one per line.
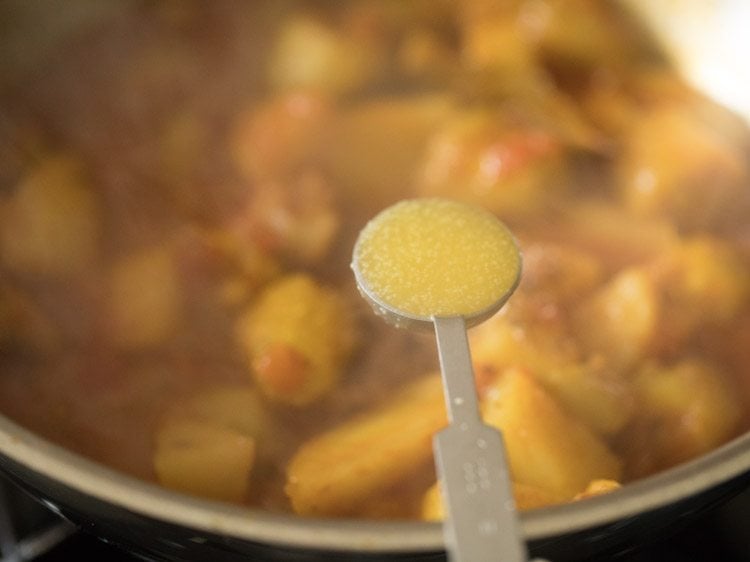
(444,264)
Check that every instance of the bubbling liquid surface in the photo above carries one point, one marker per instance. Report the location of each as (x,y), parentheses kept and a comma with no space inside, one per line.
(437,257)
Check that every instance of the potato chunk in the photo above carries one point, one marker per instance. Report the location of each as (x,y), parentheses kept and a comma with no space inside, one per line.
(687,409)
(677,166)
(310,54)
(622,320)
(209,444)
(297,337)
(705,279)
(655,308)
(235,407)
(597,488)
(333,473)
(204,459)
(511,170)
(596,395)
(52,222)
(547,447)
(144,298)
(432,504)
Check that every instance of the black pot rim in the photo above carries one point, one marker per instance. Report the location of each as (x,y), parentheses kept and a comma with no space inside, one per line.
(61,466)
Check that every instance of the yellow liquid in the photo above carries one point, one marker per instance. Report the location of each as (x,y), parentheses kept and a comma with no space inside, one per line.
(436,257)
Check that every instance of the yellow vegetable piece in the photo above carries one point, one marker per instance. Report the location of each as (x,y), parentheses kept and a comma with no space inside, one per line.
(312,55)
(205,460)
(687,410)
(332,474)
(595,395)
(209,444)
(235,407)
(512,170)
(622,320)
(706,280)
(683,167)
(52,223)
(547,448)
(297,337)
(144,298)
(432,504)
(597,488)
(436,257)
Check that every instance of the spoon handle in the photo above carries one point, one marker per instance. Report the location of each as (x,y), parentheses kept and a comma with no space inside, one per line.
(481,523)
(456,370)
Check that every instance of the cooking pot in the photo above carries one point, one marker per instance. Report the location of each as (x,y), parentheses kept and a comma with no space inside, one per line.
(157,522)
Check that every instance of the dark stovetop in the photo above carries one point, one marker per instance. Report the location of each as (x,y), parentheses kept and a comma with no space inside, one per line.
(29,532)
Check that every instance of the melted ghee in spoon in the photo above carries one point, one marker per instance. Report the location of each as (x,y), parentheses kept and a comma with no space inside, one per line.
(437,258)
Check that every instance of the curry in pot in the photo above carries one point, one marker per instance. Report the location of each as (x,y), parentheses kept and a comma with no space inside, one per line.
(181,186)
